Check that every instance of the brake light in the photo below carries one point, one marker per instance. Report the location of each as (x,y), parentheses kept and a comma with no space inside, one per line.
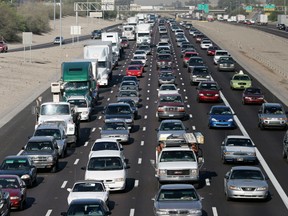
(160,109)
(181,109)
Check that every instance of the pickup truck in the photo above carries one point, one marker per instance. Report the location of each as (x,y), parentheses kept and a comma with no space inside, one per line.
(4,203)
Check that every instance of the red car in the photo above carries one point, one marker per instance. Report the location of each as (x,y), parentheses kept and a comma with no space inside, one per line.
(252,96)
(187,56)
(208,91)
(134,70)
(3,46)
(16,187)
(211,50)
(124,43)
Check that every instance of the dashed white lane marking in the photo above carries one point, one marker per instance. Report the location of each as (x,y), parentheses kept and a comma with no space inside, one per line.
(190,116)
(149,74)
(149,79)
(181,78)
(178,69)
(188,106)
(86,143)
(179,73)
(214,210)
(64,184)
(76,161)
(136,183)
(147,98)
(182,83)
(100,117)
(148,84)
(184,90)
(132,212)
(93,129)
(114,85)
(111,91)
(148,91)
(48,212)
(139,160)
(207,180)
(108,99)
(146,107)
(186,98)
(144,128)
(145,117)
(193,128)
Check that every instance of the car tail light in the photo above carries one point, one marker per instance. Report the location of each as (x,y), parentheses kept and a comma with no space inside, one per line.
(160,109)
(181,109)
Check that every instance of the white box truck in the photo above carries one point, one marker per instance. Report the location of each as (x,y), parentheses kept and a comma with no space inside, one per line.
(114,38)
(282,21)
(102,51)
(143,33)
(128,31)
(262,19)
(240,18)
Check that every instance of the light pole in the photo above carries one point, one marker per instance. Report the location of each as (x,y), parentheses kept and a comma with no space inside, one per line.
(60,23)
(285,7)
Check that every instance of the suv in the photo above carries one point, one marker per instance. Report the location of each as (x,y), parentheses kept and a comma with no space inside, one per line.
(171,106)
(56,130)
(43,151)
(272,115)
(96,34)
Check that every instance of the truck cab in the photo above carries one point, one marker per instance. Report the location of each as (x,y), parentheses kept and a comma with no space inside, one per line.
(83,104)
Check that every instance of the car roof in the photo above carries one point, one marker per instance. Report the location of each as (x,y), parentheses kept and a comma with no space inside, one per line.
(41,138)
(118,104)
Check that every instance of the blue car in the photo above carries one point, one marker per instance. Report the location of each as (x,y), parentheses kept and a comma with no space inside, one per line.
(221,116)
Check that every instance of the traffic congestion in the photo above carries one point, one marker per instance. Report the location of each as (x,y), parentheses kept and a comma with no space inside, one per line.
(169,124)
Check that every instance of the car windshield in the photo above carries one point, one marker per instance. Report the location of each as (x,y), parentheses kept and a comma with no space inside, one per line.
(171,98)
(253,91)
(127,93)
(222,53)
(177,195)
(273,110)
(241,77)
(15,164)
(136,63)
(88,187)
(39,146)
(82,209)
(105,163)
(55,109)
(221,111)
(208,86)
(114,126)
(168,126)
(81,103)
(48,132)
(168,87)
(139,57)
(133,68)
(99,146)
(165,74)
(168,156)
(247,174)
(193,61)
(239,142)
(11,183)
(118,109)
(201,71)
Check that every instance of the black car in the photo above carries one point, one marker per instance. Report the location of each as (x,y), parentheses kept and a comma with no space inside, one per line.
(96,34)
(87,207)
(21,166)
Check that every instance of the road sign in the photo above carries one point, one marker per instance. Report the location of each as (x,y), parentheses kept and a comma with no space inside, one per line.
(204,7)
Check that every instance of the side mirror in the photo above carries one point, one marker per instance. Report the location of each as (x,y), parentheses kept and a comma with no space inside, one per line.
(200,160)
(69,189)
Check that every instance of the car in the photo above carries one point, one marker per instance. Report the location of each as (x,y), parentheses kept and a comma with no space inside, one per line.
(109,144)
(170,127)
(193,62)
(146,48)
(205,44)
(129,94)
(87,207)
(179,31)
(88,189)
(252,95)
(141,58)
(177,199)
(200,74)
(238,148)
(192,31)
(164,38)
(171,106)
(226,63)
(166,77)
(179,41)
(116,129)
(211,50)
(124,42)
(56,129)
(208,91)
(166,68)
(96,34)
(43,151)
(221,116)
(129,85)
(187,56)
(140,53)
(161,43)
(272,115)
(84,104)
(3,46)
(187,47)
(245,182)
(109,167)
(21,166)
(119,111)
(167,89)
(164,59)
(199,37)
(132,104)
(59,40)
(163,49)
(134,70)
(218,54)
(16,187)
(131,78)
(240,81)
(188,26)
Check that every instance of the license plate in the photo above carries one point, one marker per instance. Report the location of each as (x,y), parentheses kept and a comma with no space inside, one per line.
(171,115)
(239,159)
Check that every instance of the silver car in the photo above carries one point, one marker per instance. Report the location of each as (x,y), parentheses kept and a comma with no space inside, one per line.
(245,182)
(115,128)
(238,148)
(177,199)
(168,128)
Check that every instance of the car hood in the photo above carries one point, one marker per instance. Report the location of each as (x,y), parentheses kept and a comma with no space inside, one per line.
(14,172)
(178,205)
(208,91)
(248,183)
(13,192)
(118,132)
(175,165)
(277,116)
(222,117)
(28,153)
(102,175)
(239,149)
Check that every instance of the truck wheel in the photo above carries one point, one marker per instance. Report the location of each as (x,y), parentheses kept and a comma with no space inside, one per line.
(55,168)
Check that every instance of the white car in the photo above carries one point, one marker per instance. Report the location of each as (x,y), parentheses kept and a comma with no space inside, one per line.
(141,58)
(108,166)
(179,31)
(218,54)
(167,89)
(140,53)
(88,189)
(106,144)
(205,44)
(161,43)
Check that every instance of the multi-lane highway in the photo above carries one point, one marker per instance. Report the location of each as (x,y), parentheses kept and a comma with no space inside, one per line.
(49,197)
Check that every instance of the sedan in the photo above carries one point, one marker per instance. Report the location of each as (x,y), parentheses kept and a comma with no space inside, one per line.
(240,81)
(221,116)
(106,144)
(59,40)
(166,77)
(252,95)
(116,129)
(88,189)
(226,63)
(16,187)
(187,56)
(211,50)
(171,106)
(245,182)
(205,44)
(167,89)
(21,166)
(132,104)
(208,91)
(177,199)
(140,58)
(194,62)
(129,94)
(134,70)
(238,148)
(168,128)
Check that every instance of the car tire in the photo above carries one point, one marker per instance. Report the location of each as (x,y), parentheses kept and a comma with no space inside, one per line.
(284,155)
(261,126)
(223,160)
(55,167)
(227,197)
(198,100)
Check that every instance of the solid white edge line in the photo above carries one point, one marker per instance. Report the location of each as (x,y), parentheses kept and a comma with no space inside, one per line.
(132,212)
(145,117)
(20,152)
(76,161)
(261,160)
(214,210)
(48,212)
(64,184)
